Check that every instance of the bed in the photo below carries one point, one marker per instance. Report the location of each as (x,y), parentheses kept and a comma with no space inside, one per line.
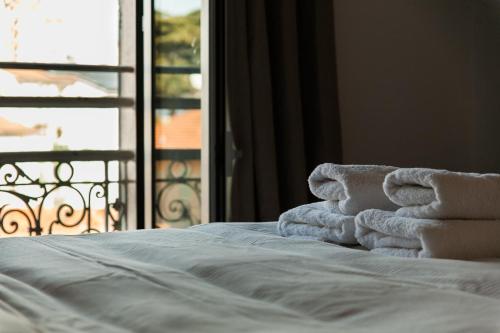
(235,277)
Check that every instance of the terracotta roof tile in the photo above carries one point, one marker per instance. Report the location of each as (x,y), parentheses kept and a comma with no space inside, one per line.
(180,131)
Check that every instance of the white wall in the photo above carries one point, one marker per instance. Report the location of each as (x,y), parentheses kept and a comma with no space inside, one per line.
(416,87)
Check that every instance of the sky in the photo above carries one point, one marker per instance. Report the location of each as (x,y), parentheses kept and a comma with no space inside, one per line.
(178,7)
(61,31)
(46,33)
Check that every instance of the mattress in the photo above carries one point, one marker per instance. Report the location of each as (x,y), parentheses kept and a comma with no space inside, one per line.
(235,277)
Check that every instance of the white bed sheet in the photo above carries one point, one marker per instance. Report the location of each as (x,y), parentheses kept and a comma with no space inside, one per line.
(235,278)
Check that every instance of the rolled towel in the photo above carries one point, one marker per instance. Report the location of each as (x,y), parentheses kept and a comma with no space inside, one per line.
(442,194)
(317,221)
(386,233)
(351,188)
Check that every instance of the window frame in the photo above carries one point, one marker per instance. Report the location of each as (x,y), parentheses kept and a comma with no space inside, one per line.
(153,102)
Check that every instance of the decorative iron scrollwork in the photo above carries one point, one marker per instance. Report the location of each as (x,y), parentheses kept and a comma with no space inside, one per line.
(33,206)
(178,195)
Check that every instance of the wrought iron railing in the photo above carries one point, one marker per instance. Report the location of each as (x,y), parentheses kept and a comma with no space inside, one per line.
(178,188)
(29,205)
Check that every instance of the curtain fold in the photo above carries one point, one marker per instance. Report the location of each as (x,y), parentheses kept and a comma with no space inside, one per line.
(282,101)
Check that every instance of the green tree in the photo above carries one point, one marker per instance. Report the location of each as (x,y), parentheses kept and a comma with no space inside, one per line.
(177,43)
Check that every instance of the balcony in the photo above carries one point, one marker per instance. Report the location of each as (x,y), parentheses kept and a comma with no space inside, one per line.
(87,191)
(66,196)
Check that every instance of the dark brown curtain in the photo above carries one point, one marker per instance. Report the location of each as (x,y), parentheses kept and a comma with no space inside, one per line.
(282,99)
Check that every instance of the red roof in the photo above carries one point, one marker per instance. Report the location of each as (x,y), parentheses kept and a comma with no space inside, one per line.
(180,131)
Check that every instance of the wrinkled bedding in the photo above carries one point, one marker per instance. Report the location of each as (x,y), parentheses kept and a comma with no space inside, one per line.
(235,277)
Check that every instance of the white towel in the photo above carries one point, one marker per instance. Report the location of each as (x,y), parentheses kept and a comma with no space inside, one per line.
(317,221)
(351,188)
(386,233)
(441,194)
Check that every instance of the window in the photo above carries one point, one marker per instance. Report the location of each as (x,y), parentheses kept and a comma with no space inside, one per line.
(67,116)
(177,87)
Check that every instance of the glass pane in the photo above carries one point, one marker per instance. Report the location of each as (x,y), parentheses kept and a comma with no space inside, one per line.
(178,85)
(178,168)
(38,83)
(60,31)
(178,190)
(177,32)
(58,129)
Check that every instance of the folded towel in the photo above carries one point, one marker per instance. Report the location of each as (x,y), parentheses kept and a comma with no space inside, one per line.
(317,221)
(351,188)
(441,194)
(385,232)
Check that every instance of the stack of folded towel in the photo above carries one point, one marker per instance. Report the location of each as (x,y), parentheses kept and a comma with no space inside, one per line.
(347,190)
(443,214)
(410,212)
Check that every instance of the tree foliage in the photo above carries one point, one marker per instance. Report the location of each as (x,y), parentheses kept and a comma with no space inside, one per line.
(177,43)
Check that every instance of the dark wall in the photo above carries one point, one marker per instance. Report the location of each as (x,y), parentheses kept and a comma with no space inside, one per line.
(486,48)
(418,82)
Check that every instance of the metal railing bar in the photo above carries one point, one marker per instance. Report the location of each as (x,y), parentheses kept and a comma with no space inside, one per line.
(177,154)
(67,67)
(65,102)
(177,70)
(67,156)
(112,182)
(177,103)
